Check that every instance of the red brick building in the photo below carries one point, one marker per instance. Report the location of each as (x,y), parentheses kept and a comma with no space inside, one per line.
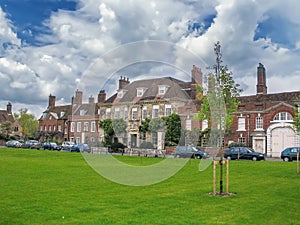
(77,122)
(7,116)
(265,121)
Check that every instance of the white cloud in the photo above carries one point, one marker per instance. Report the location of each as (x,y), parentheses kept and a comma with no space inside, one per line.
(6,33)
(81,40)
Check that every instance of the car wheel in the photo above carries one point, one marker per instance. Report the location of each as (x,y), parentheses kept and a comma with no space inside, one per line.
(228,158)
(198,156)
(286,159)
(254,158)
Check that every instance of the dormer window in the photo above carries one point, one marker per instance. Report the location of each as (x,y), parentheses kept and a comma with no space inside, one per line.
(121,93)
(162,89)
(62,114)
(83,112)
(140,92)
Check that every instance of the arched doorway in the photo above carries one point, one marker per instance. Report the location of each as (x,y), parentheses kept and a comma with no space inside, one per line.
(280,136)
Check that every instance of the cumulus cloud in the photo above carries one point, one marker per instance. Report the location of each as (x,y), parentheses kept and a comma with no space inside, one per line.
(88,48)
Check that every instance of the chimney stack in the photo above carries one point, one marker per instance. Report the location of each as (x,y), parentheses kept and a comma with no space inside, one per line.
(91,99)
(101,96)
(51,101)
(196,80)
(9,108)
(78,97)
(123,82)
(261,87)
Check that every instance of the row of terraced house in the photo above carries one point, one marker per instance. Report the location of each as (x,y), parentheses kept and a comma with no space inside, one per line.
(263,121)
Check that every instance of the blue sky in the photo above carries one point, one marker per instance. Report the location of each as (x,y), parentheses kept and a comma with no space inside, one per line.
(56,46)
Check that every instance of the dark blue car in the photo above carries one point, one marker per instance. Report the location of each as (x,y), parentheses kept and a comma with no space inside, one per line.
(290,154)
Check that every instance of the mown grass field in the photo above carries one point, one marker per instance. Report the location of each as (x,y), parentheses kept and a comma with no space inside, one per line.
(49,187)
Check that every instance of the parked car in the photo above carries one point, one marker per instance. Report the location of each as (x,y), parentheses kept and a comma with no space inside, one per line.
(84,148)
(243,153)
(290,154)
(74,148)
(50,146)
(67,145)
(190,152)
(33,144)
(13,144)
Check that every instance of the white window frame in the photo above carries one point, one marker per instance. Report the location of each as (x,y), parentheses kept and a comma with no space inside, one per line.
(140,91)
(78,126)
(241,123)
(117,113)
(283,116)
(259,123)
(72,126)
(155,111)
(93,126)
(188,124)
(107,113)
(168,110)
(144,113)
(86,126)
(162,89)
(125,113)
(59,128)
(134,113)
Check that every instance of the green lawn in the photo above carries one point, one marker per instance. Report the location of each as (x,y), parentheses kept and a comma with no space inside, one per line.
(50,187)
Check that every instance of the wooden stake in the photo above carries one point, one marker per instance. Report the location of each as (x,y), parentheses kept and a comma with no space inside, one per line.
(214,178)
(227,176)
(298,162)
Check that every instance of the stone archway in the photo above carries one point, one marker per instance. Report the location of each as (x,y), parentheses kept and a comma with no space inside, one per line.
(280,136)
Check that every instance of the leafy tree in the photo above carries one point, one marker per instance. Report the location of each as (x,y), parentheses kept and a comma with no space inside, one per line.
(6,130)
(144,127)
(221,98)
(29,124)
(173,129)
(107,126)
(218,104)
(157,124)
(119,126)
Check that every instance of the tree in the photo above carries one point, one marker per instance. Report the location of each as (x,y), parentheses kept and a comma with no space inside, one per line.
(106,125)
(222,92)
(173,129)
(119,126)
(29,124)
(218,103)
(6,130)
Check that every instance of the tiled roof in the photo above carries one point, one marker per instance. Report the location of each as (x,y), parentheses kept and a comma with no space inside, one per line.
(67,109)
(4,116)
(85,109)
(285,96)
(176,89)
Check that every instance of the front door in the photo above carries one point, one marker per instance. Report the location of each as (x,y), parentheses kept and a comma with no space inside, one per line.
(133,138)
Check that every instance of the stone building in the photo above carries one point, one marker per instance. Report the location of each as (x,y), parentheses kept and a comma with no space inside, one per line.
(152,98)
